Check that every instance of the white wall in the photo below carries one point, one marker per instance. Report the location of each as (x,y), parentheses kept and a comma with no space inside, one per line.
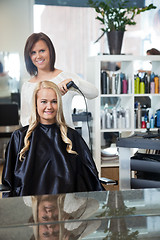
(16,24)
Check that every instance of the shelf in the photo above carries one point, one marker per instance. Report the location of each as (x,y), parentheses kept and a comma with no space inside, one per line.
(110,165)
(145,130)
(116,95)
(128,130)
(116,130)
(147,95)
(120,58)
(129,66)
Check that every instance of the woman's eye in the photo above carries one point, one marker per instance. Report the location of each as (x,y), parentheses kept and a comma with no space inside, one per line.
(45,218)
(33,52)
(54,101)
(43,101)
(42,50)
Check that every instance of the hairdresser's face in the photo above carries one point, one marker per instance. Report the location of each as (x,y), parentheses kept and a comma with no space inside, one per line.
(47,106)
(40,55)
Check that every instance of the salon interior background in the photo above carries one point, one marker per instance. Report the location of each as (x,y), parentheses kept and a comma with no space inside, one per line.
(73,30)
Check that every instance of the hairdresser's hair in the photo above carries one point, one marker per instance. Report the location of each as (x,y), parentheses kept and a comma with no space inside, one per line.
(35,119)
(32,39)
(153,51)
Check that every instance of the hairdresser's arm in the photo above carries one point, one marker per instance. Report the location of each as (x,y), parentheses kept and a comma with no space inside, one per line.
(88,89)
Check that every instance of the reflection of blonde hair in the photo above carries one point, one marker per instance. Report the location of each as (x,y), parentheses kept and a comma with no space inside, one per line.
(73,213)
(34,119)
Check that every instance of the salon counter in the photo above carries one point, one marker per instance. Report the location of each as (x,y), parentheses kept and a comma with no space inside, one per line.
(130,214)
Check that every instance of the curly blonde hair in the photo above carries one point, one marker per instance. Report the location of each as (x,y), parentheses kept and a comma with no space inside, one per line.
(35,119)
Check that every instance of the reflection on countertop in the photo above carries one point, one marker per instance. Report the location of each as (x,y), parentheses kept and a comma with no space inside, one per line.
(131,214)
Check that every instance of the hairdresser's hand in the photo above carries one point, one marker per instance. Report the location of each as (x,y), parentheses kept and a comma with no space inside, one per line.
(62,86)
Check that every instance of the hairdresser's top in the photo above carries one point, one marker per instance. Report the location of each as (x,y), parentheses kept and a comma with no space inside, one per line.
(89,91)
(47,167)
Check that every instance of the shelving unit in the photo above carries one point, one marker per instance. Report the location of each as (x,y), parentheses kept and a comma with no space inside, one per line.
(129,66)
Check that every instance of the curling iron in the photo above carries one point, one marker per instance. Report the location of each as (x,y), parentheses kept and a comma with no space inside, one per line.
(71,84)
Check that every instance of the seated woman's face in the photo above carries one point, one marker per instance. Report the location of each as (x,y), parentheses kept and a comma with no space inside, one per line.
(47,106)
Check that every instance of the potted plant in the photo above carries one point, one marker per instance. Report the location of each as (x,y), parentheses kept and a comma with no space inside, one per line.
(115,16)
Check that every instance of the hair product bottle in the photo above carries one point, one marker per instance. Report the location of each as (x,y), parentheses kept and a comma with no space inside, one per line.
(103,82)
(129,83)
(143,124)
(127,118)
(124,82)
(108,120)
(152,83)
(102,119)
(139,115)
(141,87)
(159,83)
(118,85)
(114,117)
(152,87)
(152,122)
(148,125)
(158,118)
(136,87)
(113,83)
(146,82)
(156,81)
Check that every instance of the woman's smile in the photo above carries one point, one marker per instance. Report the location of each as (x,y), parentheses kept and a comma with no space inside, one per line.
(48,112)
(40,61)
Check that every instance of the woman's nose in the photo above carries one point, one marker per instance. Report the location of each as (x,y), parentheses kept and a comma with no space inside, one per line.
(49,105)
(38,54)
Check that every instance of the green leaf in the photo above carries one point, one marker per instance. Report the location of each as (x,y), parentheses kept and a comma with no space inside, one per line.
(116,18)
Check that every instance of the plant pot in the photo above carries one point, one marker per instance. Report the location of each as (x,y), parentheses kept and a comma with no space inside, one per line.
(115,39)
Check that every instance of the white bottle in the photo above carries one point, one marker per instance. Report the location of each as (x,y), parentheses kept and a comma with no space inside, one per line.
(114,117)
(123,119)
(129,85)
(108,120)
(127,118)
(119,85)
(150,112)
(113,83)
(139,115)
(119,120)
(102,119)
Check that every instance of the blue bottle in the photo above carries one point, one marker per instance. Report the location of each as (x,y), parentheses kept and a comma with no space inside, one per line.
(152,122)
(158,118)
(145,118)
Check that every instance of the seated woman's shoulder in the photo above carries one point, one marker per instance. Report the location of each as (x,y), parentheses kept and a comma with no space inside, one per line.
(73,133)
(21,130)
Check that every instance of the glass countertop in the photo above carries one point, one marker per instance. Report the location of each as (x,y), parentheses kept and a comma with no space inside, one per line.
(114,215)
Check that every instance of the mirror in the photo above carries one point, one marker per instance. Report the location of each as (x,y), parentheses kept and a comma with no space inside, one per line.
(9,76)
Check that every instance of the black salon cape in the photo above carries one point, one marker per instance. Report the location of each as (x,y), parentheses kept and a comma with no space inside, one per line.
(48,168)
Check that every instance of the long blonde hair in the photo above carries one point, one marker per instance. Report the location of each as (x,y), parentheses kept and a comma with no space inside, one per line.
(34,119)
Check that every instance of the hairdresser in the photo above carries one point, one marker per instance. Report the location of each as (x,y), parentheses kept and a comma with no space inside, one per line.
(40,59)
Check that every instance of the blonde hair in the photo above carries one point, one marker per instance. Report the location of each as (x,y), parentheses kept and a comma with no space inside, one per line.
(34,119)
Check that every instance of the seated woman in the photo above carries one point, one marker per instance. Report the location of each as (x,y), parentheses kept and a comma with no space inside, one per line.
(47,157)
